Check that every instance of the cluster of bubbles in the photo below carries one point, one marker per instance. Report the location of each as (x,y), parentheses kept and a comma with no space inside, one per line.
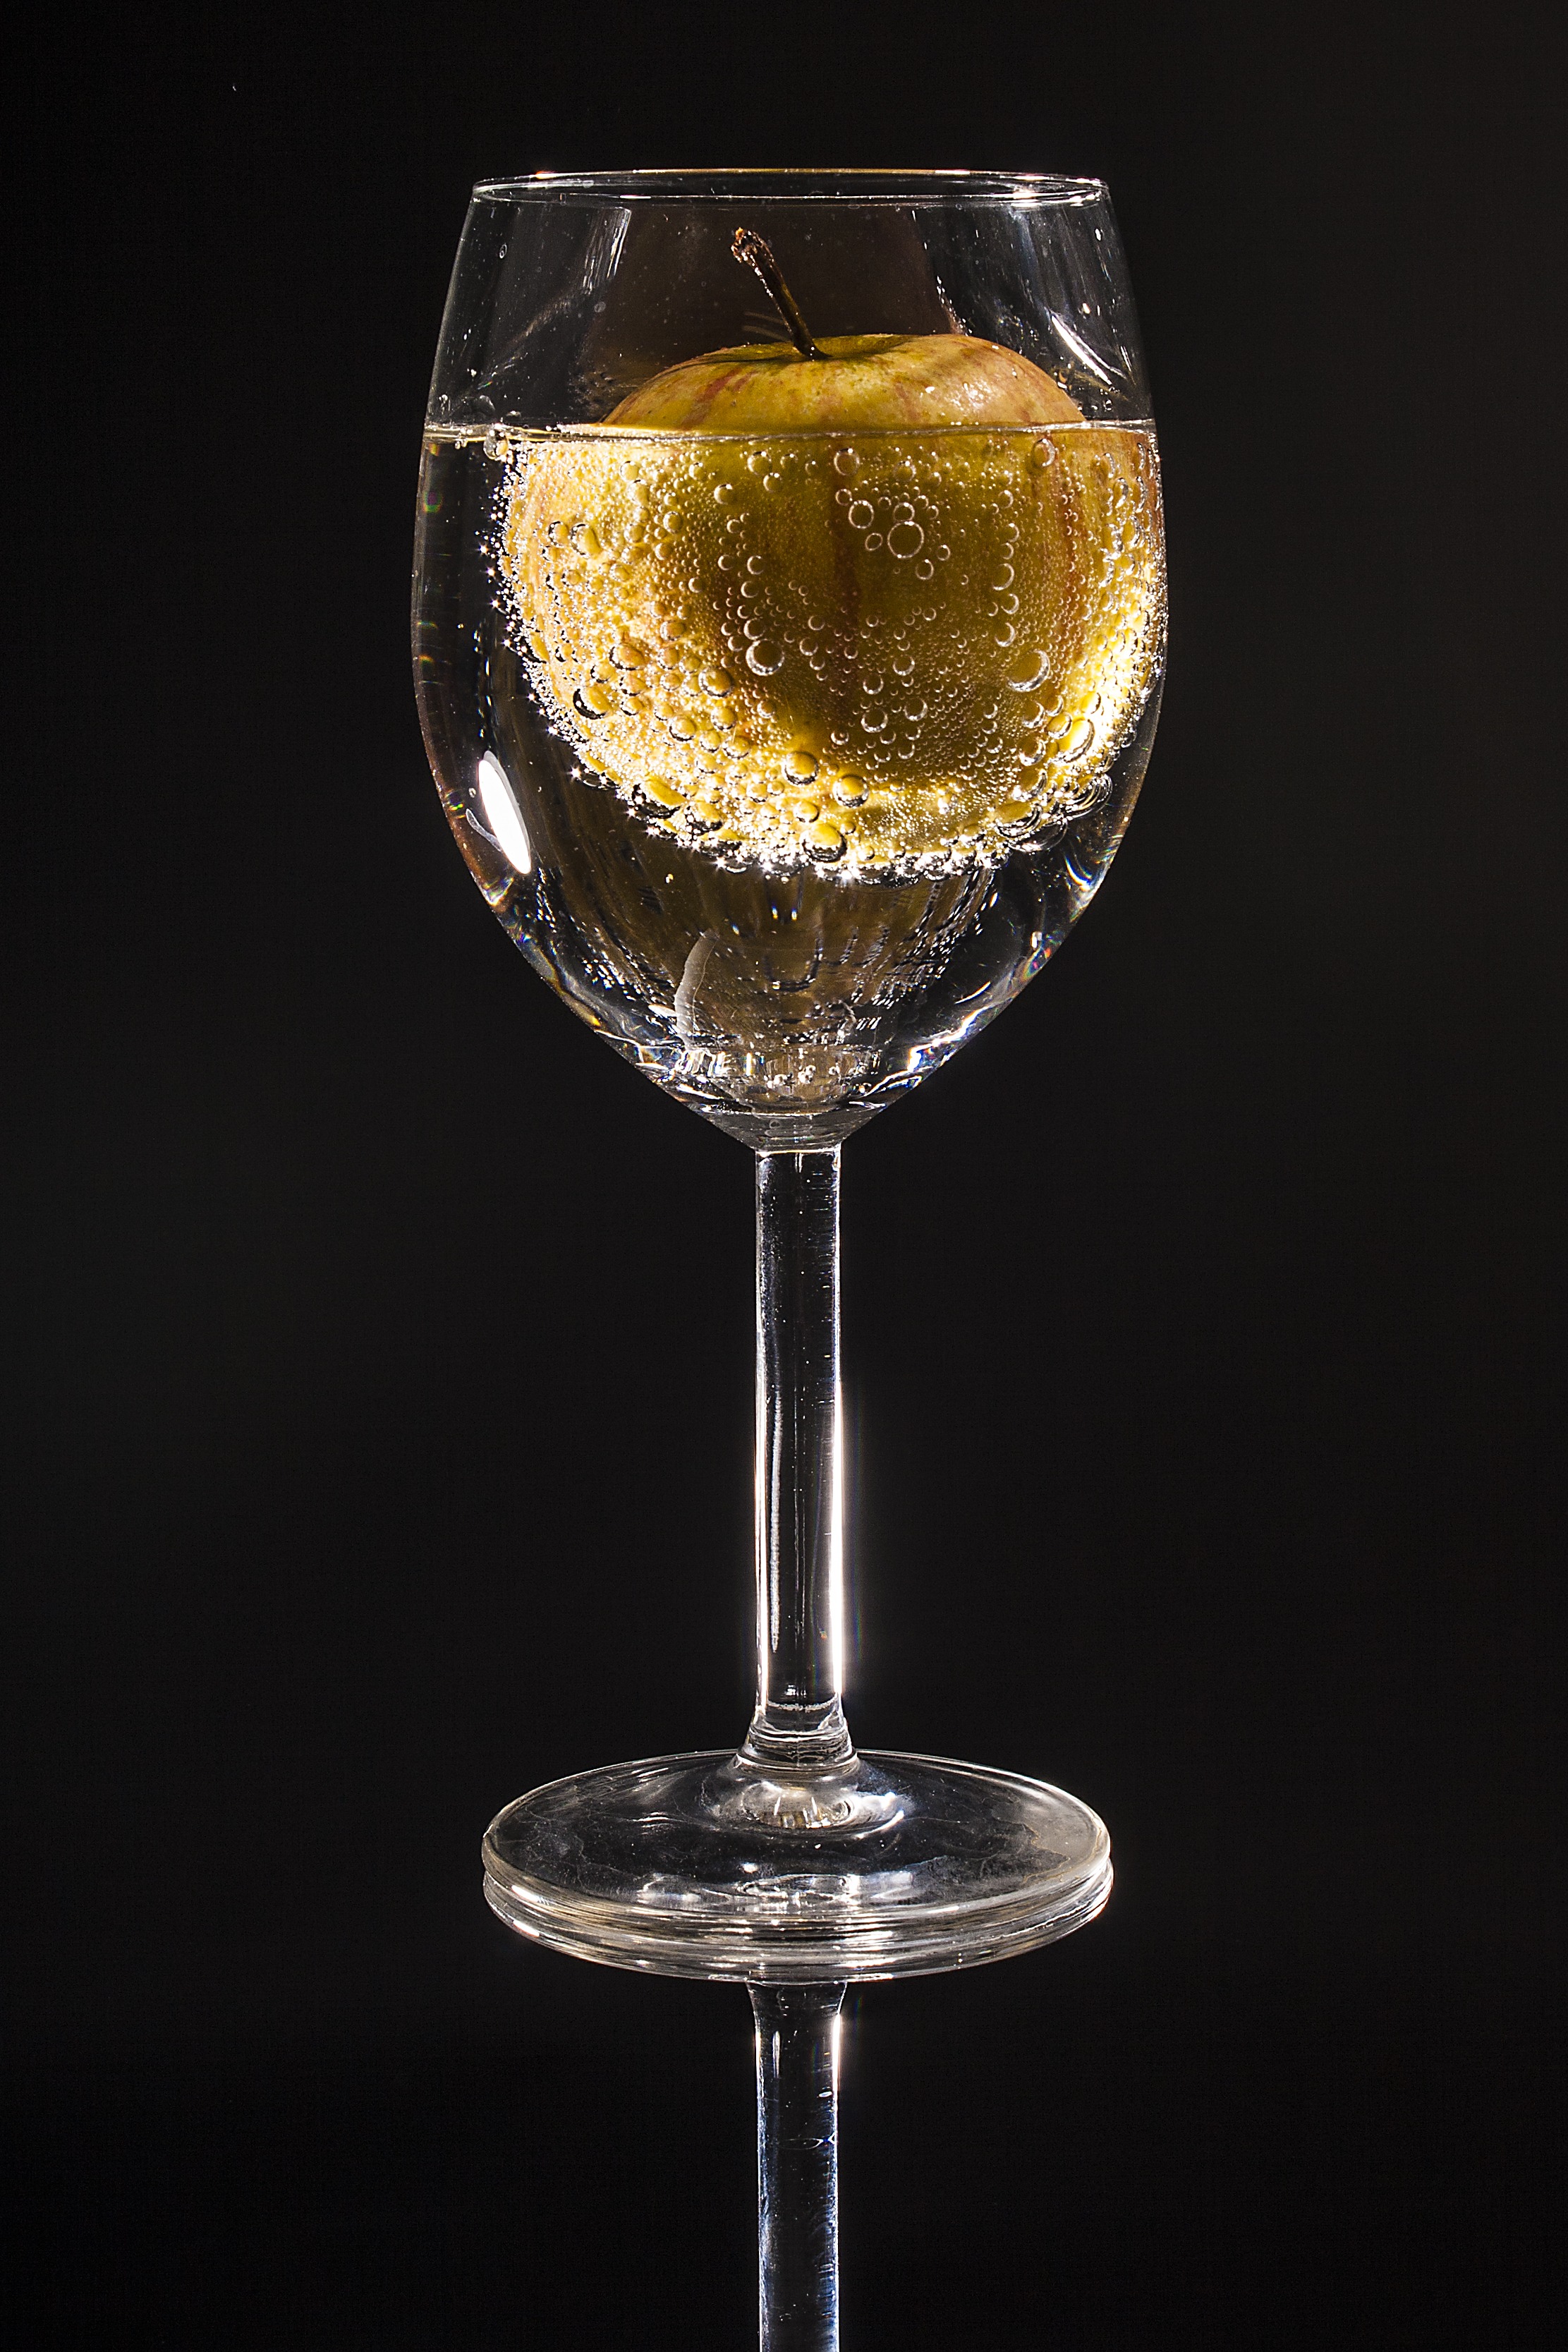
(880,653)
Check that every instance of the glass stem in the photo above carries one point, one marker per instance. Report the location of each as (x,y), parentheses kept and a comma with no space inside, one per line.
(799,1719)
(797,2166)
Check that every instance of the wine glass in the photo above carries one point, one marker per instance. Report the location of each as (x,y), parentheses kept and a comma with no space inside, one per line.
(788,625)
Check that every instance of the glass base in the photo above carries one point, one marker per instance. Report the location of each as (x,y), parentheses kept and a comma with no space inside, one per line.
(711,1865)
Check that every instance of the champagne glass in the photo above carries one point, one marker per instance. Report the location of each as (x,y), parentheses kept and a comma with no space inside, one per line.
(788,625)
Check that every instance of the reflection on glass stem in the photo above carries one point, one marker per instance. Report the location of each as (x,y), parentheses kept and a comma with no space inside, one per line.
(797,2036)
(800,1720)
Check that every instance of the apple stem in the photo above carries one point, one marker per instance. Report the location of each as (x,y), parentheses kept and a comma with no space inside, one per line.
(758,254)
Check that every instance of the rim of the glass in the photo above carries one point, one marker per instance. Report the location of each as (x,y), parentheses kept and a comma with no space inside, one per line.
(862,184)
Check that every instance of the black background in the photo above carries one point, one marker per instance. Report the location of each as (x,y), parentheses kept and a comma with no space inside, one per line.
(378,1441)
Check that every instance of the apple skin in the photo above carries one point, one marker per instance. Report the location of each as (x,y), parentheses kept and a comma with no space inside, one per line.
(908,381)
(787,610)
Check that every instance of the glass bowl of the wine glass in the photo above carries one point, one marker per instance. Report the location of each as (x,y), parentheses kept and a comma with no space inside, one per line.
(788,756)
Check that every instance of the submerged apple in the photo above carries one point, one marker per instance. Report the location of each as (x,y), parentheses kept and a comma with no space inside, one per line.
(880,599)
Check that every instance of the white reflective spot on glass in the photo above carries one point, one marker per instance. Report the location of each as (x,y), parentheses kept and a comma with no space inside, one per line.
(503,816)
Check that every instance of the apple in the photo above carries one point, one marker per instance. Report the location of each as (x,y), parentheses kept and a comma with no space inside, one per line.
(881,601)
(903,382)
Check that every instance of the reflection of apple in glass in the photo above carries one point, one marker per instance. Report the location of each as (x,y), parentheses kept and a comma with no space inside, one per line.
(913,641)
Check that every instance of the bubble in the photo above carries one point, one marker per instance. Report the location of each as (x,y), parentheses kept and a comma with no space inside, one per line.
(1004,579)
(825,840)
(1078,741)
(630,653)
(800,766)
(754,564)
(724,494)
(704,815)
(873,541)
(593,700)
(861,514)
(1030,671)
(764,657)
(680,725)
(926,568)
(1085,795)
(904,539)
(849,790)
(715,681)
(668,796)
(845,461)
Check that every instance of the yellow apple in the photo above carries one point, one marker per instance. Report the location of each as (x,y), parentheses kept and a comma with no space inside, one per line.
(890,606)
(903,382)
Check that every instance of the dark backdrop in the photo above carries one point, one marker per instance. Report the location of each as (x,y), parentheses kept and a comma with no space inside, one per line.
(379,1436)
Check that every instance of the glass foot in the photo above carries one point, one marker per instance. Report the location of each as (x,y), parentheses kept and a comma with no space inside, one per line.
(707,1866)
